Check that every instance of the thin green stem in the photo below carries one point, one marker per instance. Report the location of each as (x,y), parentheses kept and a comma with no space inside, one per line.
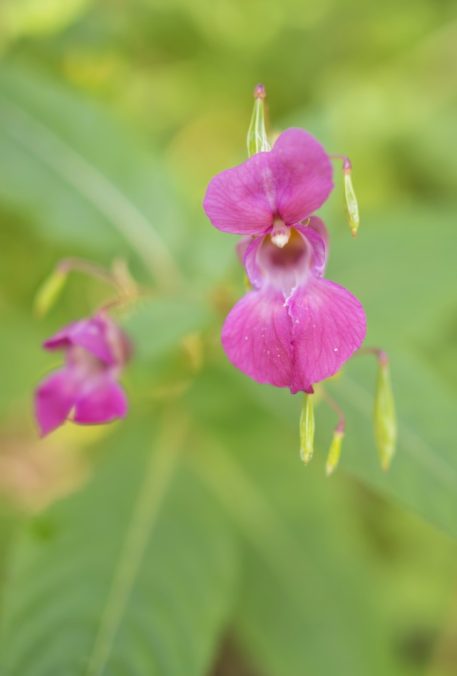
(333,404)
(67,265)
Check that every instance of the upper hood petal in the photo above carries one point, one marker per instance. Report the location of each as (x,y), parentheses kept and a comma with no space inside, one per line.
(289,182)
(303,174)
(99,335)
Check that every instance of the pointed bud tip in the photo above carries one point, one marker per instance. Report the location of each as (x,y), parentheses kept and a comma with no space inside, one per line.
(329,469)
(257,138)
(385,462)
(260,91)
(354,232)
(334,452)
(306,455)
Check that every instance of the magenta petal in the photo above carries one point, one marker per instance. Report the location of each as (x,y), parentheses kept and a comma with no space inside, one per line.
(256,337)
(317,236)
(289,182)
(103,402)
(328,326)
(303,175)
(54,399)
(62,338)
(242,200)
(98,335)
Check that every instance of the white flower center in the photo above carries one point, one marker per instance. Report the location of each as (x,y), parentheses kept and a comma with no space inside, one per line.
(280,234)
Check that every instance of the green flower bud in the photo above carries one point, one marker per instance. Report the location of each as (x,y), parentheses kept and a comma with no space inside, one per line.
(334,452)
(385,423)
(257,140)
(307,427)
(352,207)
(49,292)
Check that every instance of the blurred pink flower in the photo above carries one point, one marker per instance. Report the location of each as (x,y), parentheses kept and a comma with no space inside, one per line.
(86,388)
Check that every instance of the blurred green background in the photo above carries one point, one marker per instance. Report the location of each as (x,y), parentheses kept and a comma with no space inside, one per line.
(189,539)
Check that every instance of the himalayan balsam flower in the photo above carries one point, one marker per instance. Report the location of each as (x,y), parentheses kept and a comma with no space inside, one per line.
(86,388)
(294,328)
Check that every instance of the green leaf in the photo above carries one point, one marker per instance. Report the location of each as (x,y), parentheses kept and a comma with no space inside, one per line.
(158,325)
(22,362)
(30,17)
(307,603)
(80,177)
(134,574)
(423,473)
(401,267)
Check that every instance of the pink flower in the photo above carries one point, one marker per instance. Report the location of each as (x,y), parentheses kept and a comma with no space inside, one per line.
(294,328)
(86,387)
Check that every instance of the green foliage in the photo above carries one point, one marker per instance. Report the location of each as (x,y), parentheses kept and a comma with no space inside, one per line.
(118,582)
(89,183)
(33,17)
(199,527)
(292,593)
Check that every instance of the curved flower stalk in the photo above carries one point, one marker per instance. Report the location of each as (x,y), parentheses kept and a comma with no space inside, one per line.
(85,390)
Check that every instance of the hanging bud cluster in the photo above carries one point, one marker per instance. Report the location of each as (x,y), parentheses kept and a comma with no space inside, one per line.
(307,432)
(384,419)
